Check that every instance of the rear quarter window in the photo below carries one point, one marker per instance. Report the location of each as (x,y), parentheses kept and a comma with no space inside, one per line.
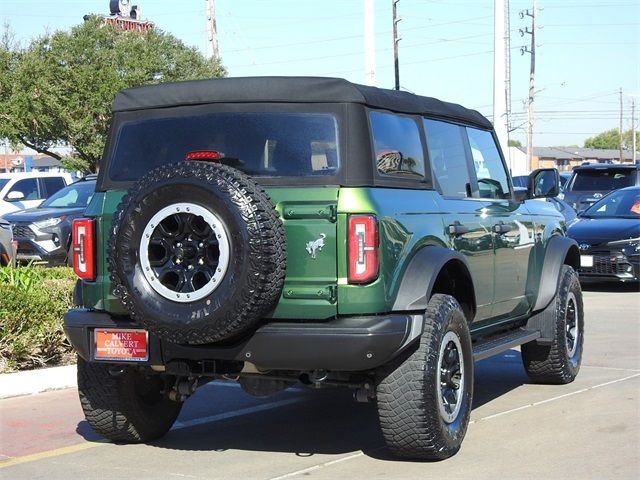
(397,145)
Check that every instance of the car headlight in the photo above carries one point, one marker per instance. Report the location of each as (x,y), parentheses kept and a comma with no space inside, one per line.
(49,222)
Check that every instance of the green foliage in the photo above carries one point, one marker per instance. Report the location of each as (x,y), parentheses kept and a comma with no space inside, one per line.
(21,278)
(31,332)
(515,143)
(75,164)
(610,139)
(58,90)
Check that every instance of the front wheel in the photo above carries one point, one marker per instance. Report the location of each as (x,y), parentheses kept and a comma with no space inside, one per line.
(424,399)
(559,362)
(127,405)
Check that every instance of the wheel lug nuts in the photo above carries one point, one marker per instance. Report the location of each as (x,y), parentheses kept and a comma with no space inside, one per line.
(200,261)
(178,261)
(201,245)
(190,267)
(178,244)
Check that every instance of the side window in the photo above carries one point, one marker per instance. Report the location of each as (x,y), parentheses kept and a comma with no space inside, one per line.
(492,177)
(53,184)
(28,187)
(397,144)
(446,145)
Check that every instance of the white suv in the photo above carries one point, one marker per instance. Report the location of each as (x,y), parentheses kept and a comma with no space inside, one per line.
(26,190)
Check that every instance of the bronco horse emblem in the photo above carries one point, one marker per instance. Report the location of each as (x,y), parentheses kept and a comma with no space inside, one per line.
(316,245)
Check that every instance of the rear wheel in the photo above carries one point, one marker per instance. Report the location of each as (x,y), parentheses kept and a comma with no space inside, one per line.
(559,362)
(126,405)
(424,399)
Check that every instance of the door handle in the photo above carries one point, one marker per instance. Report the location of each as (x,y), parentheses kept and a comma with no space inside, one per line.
(456,228)
(501,228)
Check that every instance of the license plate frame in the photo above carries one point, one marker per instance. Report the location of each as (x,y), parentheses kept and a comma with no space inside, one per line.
(121,344)
(586,261)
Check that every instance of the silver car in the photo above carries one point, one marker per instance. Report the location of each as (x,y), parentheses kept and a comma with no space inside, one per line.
(7,246)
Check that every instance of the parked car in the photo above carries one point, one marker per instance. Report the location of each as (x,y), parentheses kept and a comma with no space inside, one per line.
(608,235)
(564,179)
(7,246)
(44,233)
(590,182)
(564,208)
(27,190)
(284,230)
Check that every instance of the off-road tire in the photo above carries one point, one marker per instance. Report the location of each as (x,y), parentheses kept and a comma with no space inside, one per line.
(554,363)
(407,390)
(253,281)
(127,406)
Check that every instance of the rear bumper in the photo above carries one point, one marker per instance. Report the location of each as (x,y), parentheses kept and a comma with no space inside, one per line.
(344,344)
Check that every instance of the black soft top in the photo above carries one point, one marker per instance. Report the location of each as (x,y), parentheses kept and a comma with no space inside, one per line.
(289,90)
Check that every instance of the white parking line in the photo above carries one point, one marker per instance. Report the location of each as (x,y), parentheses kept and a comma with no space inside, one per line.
(234,413)
(316,467)
(552,399)
(360,454)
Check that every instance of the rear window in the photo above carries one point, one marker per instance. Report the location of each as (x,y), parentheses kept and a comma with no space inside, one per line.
(259,144)
(603,180)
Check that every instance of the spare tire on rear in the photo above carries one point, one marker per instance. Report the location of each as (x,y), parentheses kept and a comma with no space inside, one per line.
(197,252)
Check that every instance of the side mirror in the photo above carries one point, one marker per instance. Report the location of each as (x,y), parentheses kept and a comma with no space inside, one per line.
(544,183)
(14,196)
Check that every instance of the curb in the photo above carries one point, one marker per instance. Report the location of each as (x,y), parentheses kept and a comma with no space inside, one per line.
(30,382)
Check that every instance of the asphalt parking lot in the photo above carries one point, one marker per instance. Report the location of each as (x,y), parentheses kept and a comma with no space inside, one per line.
(587,429)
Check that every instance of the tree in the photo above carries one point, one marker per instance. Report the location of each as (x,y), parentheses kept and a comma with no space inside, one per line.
(515,143)
(58,90)
(610,139)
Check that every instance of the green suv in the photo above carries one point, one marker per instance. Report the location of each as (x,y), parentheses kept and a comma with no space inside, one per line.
(284,230)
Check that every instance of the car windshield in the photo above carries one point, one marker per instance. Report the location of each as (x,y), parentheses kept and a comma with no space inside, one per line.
(3,182)
(257,143)
(75,195)
(619,204)
(603,180)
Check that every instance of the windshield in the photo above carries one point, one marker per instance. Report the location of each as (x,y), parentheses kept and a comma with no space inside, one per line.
(620,204)
(603,180)
(3,182)
(257,143)
(75,195)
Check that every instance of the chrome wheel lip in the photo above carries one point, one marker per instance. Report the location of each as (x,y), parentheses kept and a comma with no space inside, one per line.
(450,416)
(572,326)
(223,246)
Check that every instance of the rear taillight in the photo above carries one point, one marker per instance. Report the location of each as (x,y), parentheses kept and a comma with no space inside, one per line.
(364,260)
(83,248)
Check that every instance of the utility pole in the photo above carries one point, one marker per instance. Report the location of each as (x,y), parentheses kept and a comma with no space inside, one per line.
(532,72)
(396,39)
(212,31)
(499,76)
(621,125)
(369,44)
(633,130)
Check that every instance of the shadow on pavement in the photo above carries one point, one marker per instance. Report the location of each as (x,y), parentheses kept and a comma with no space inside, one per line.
(320,422)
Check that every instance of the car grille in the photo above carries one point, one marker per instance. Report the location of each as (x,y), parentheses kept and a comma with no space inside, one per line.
(602,265)
(23,231)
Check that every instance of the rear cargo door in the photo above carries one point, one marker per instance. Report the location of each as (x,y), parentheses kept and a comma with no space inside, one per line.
(309,218)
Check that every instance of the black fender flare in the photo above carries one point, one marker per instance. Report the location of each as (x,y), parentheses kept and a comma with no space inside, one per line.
(420,276)
(561,250)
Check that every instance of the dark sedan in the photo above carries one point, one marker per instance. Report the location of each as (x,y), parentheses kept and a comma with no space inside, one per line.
(608,234)
(44,233)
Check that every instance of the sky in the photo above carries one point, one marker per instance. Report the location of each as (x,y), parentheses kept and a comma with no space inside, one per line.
(586,50)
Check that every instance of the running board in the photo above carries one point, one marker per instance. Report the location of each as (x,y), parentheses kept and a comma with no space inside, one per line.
(495,344)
